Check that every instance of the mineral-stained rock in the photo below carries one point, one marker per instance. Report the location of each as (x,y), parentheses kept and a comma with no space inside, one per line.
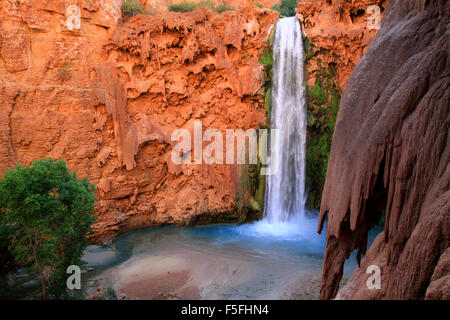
(107,96)
(391,152)
(338,34)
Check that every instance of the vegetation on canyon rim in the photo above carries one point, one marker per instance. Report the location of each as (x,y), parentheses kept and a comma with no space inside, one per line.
(45,214)
(188,6)
(131,8)
(286,8)
(323,105)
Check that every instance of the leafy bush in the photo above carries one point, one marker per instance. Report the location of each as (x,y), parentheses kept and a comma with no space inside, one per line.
(222,8)
(266,58)
(63,71)
(318,94)
(268,103)
(317,155)
(186,6)
(7,262)
(51,210)
(130,8)
(276,7)
(323,105)
(287,7)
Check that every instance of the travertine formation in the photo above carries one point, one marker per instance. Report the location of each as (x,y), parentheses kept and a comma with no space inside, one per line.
(338,33)
(391,153)
(107,94)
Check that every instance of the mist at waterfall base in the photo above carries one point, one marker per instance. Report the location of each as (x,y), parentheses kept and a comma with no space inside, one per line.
(247,261)
(285,214)
(279,257)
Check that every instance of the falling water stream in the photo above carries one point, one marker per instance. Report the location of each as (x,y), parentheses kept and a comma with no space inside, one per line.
(285,196)
(279,257)
(285,199)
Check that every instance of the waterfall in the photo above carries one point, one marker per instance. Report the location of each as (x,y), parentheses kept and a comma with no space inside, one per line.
(285,190)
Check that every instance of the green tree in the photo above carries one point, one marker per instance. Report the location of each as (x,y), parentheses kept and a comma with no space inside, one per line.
(276,7)
(222,8)
(185,6)
(7,262)
(51,211)
(131,8)
(286,8)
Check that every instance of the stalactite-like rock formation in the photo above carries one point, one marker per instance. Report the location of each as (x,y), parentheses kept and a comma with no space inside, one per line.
(337,34)
(391,152)
(105,94)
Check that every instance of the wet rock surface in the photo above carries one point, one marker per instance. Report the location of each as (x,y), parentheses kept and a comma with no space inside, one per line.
(391,152)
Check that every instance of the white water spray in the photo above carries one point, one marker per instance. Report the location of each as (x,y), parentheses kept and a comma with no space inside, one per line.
(285,196)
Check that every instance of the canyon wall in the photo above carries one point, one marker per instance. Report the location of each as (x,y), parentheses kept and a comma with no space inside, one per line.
(336,35)
(391,154)
(106,94)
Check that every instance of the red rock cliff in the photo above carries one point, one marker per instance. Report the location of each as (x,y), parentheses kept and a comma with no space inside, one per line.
(338,34)
(391,152)
(106,96)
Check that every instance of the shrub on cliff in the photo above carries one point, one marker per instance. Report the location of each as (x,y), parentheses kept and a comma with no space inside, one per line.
(7,262)
(276,7)
(186,6)
(323,105)
(64,71)
(51,211)
(131,8)
(286,8)
(222,8)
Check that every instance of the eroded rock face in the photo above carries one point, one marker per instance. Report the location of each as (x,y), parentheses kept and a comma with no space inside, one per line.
(391,152)
(107,98)
(338,33)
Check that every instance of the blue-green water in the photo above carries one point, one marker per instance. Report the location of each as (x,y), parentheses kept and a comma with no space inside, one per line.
(279,257)
(249,261)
